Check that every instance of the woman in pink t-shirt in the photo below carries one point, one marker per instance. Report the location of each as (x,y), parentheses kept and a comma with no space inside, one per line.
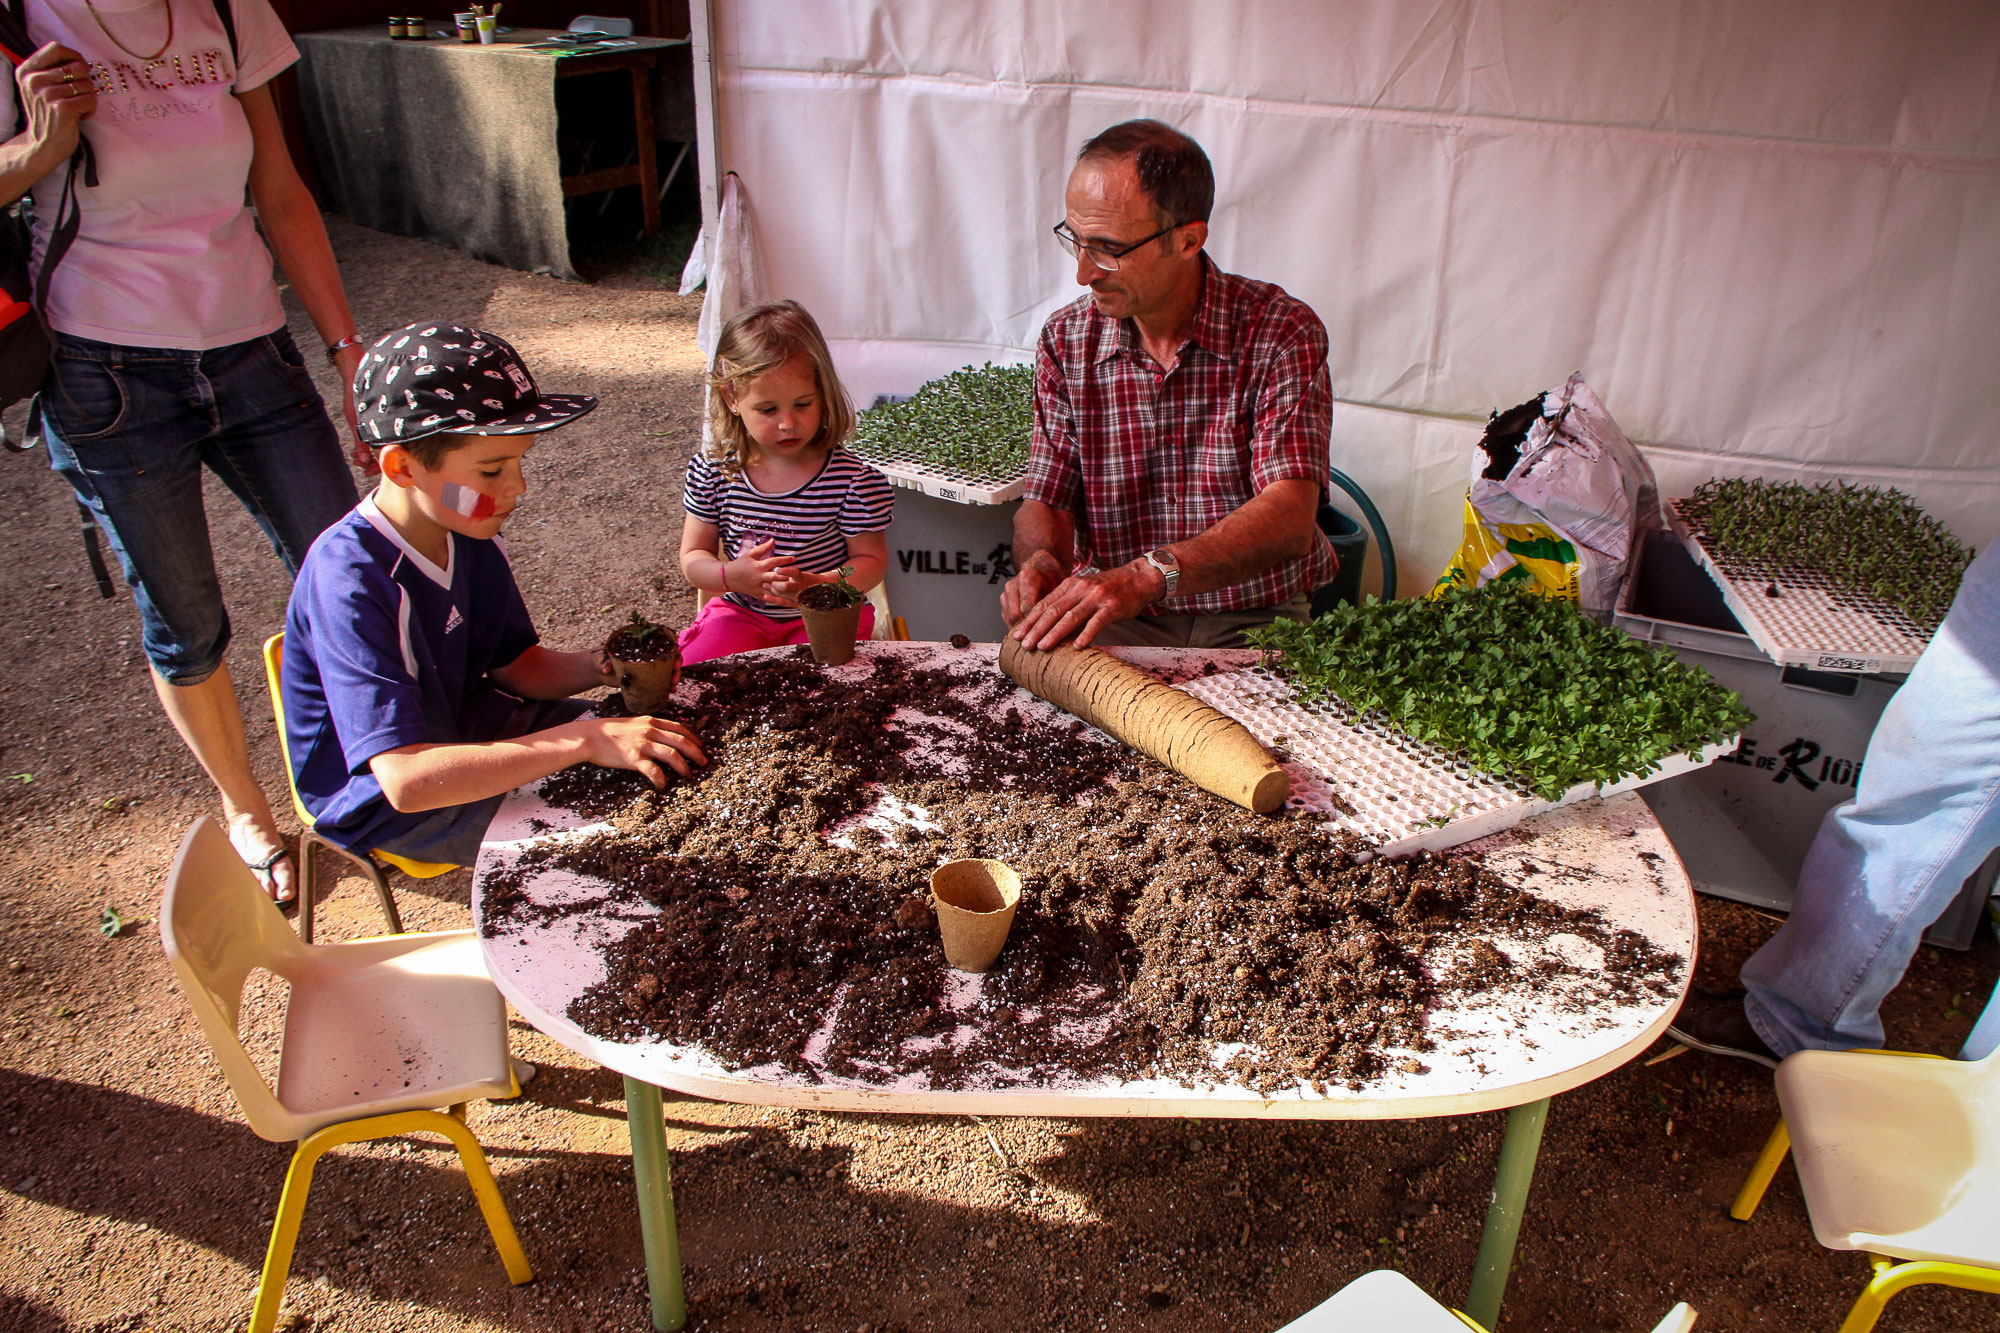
(171,348)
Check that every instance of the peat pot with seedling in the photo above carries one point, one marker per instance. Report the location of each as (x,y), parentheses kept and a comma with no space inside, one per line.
(832,612)
(647,659)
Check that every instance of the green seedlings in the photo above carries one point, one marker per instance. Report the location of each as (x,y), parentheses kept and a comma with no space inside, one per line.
(1515,684)
(973,422)
(835,595)
(1867,539)
(638,629)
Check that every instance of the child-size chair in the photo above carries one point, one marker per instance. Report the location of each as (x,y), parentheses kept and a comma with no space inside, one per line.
(1899,1157)
(378,1034)
(370,865)
(1385,1299)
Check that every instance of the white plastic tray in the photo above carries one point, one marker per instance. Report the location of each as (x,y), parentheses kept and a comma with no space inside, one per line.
(1400,793)
(941,483)
(1813,622)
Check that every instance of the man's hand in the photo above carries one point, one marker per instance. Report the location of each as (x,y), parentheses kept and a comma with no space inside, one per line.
(1084,604)
(641,744)
(1027,588)
(58,96)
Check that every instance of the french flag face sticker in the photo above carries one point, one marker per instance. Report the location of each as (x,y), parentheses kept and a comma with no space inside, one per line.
(475,505)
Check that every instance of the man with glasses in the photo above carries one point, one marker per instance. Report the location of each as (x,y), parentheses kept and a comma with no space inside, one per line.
(1182,413)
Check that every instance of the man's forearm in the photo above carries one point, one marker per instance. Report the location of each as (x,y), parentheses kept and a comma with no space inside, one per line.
(1273,526)
(1044,537)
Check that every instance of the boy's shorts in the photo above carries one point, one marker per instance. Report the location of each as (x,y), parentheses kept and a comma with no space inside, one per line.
(452,835)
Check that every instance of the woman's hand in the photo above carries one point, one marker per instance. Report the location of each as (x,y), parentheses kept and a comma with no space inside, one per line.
(58,96)
(345,362)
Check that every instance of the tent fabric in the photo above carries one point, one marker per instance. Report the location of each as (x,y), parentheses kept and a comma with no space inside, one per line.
(1768,234)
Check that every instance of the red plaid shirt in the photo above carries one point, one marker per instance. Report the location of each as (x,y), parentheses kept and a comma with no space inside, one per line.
(1141,459)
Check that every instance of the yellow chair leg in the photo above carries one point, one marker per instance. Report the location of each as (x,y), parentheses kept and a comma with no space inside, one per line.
(298,1181)
(1776,1148)
(480,1176)
(1891,1277)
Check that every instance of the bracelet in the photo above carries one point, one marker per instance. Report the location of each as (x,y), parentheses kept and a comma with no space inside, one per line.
(723,569)
(333,350)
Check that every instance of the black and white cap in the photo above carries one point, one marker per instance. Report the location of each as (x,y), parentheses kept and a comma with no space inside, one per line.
(426,378)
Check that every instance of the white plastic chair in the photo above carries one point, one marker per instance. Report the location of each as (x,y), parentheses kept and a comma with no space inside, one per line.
(1385,1299)
(378,1033)
(1898,1157)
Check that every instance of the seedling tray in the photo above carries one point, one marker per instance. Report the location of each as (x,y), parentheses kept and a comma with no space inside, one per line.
(1813,622)
(1403,794)
(966,488)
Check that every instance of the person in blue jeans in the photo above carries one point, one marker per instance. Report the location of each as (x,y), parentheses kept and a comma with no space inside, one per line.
(1886,864)
(171,350)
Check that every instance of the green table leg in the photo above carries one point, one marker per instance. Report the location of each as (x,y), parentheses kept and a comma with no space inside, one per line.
(1518,1151)
(645,1119)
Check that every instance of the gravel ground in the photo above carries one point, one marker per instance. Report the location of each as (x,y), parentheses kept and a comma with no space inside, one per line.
(133,1197)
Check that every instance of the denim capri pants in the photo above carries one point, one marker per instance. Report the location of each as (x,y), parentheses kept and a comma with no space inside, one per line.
(130,429)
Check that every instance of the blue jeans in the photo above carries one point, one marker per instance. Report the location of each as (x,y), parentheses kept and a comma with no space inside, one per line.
(130,429)
(1889,862)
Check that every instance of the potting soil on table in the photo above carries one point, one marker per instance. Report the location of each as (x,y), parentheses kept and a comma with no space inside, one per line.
(1162,931)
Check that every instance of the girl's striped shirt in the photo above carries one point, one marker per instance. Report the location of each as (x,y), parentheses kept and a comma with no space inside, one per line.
(811,524)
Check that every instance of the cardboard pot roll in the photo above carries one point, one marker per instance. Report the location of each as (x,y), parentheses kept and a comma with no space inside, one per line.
(1207,748)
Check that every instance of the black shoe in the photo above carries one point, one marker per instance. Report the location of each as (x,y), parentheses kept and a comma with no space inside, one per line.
(1716,1024)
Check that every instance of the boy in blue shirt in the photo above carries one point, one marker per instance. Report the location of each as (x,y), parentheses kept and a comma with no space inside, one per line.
(417,693)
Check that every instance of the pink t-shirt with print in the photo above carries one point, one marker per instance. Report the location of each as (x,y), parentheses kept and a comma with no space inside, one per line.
(168,254)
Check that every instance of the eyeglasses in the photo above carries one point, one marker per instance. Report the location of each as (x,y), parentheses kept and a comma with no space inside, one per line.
(1105,257)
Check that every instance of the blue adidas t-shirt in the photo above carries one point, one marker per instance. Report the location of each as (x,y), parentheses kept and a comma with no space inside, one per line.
(384,649)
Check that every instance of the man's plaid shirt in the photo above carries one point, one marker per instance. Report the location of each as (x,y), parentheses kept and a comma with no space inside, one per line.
(1142,459)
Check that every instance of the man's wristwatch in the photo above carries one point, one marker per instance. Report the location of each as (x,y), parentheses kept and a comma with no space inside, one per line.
(1170,569)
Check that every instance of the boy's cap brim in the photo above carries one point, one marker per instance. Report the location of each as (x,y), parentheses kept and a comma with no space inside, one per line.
(552,410)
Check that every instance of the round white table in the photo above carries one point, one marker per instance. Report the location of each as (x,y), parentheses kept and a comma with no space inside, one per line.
(1607,855)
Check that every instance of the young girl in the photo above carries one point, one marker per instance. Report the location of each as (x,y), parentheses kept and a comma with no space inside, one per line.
(775,505)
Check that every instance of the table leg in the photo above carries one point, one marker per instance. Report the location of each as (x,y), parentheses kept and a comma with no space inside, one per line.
(1518,1150)
(649,163)
(645,1120)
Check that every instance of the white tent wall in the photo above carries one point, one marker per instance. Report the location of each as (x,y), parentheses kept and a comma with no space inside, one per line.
(1768,233)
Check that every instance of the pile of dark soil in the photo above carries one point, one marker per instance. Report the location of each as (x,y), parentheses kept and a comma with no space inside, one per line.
(1156,921)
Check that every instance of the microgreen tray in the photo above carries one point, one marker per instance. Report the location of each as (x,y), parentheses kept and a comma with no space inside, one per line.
(942,484)
(1812,621)
(1371,779)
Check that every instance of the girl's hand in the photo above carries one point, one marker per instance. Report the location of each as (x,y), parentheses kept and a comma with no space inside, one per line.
(754,572)
(789,582)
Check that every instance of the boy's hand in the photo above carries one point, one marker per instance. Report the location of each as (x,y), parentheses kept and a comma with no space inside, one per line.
(754,572)
(642,744)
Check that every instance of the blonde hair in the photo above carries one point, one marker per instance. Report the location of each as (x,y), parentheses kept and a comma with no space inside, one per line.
(755,342)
